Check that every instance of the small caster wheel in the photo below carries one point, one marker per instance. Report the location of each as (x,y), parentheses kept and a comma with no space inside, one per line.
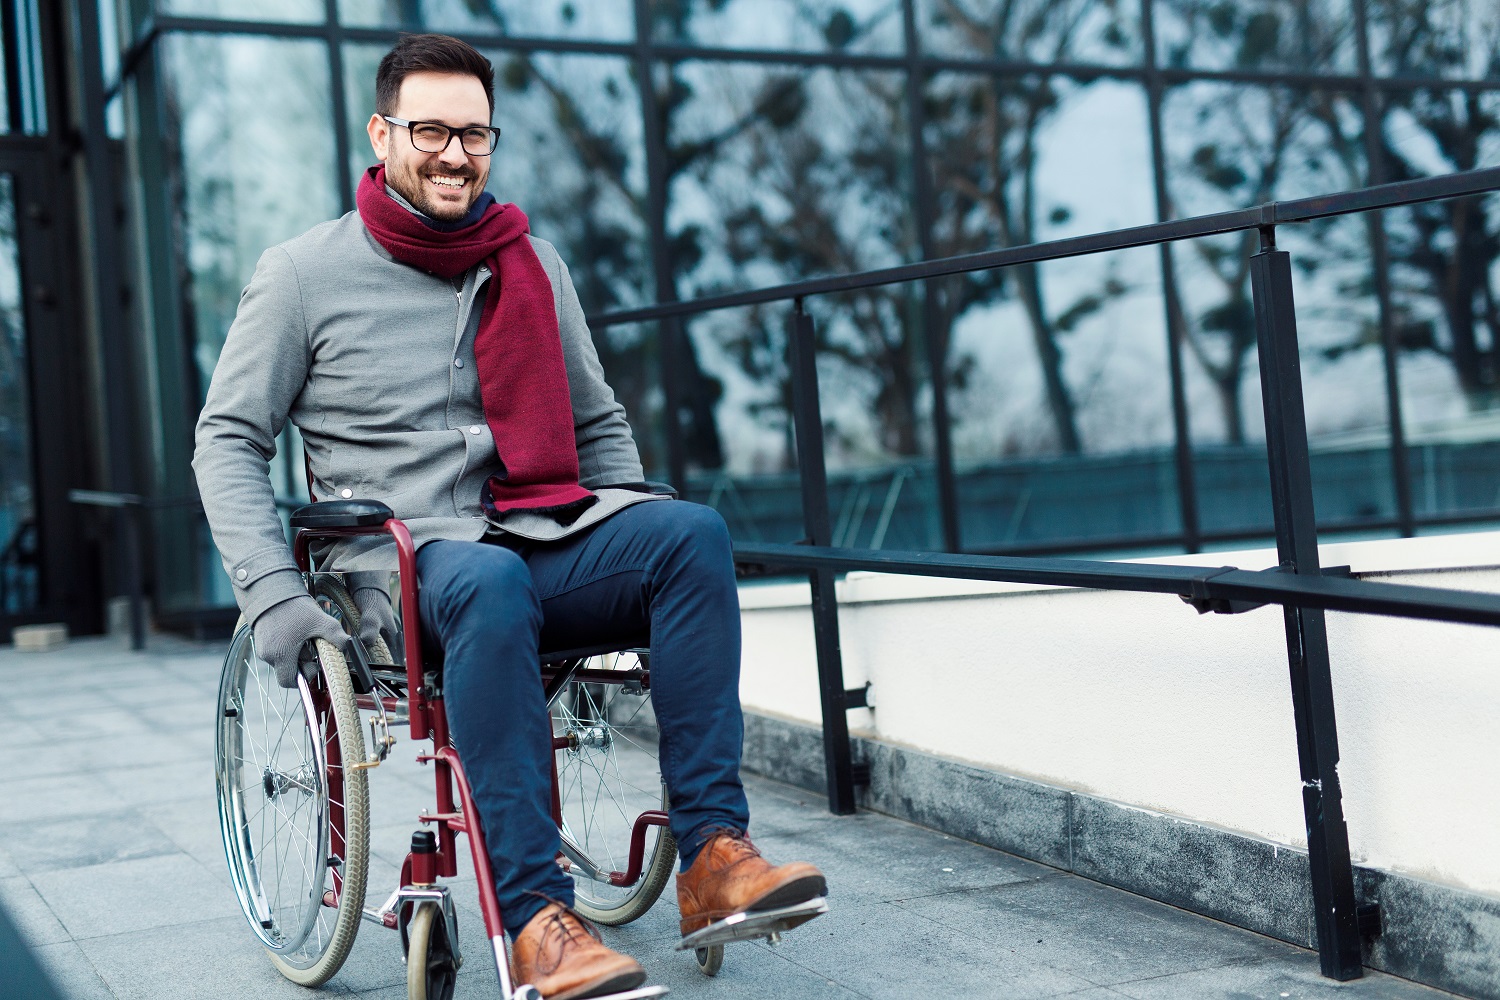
(710,959)
(431,970)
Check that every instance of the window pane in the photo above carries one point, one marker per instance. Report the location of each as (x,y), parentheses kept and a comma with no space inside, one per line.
(780,174)
(866,26)
(1232,146)
(1445,260)
(1059,382)
(1310,36)
(1453,39)
(294,11)
(1042,31)
(603,20)
(19,584)
(253,123)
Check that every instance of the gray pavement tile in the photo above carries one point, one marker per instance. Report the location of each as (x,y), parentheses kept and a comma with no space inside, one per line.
(39,705)
(53,797)
(191,824)
(871,858)
(71,972)
(132,895)
(88,840)
(206,960)
(1102,935)
(8,867)
(17,736)
(33,918)
(1295,977)
(168,781)
(857,948)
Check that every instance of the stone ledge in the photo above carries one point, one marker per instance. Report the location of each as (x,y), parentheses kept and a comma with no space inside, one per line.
(1433,934)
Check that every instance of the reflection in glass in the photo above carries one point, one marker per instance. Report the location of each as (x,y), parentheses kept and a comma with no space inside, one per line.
(18,537)
(1230,146)
(1445,271)
(253,124)
(780,174)
(1309,36)
(1451,39)
(1050,367)
(864,26)
(1040,31)
(296,11)
(602,20)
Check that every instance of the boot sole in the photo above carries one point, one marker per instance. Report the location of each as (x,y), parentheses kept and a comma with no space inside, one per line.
(796,891)
(617,982)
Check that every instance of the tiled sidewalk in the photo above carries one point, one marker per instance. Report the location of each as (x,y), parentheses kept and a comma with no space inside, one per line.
(110,863)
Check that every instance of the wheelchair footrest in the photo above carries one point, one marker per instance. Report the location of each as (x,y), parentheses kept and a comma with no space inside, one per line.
(641,993)
(753,924)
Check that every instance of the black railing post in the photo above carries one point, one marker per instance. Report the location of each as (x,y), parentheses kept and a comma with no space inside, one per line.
(808,422)
(1306,631)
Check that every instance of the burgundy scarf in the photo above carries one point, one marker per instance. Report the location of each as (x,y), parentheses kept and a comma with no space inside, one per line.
(523,381)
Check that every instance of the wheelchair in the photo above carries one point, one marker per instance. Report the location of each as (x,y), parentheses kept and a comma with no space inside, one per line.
(292,772)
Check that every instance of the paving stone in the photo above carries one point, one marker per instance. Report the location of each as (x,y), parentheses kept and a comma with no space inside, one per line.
(71,972)
(41,799)
(192,825)
(1102,935)
(855,948)
(1295,977)
(8,868)
(131,895)
(34,920)
(88,840)
(205,960)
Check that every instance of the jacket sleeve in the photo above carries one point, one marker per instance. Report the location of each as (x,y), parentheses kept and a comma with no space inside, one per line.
(607,452)
(259,375)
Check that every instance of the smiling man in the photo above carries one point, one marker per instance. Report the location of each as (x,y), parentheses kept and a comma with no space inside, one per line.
(435,357)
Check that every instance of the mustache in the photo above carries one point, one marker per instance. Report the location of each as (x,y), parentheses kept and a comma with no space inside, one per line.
(466,171)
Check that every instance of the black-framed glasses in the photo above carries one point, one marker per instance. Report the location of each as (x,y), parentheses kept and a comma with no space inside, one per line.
(433,137)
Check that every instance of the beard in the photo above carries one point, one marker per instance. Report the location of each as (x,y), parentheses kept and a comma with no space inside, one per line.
(411,183)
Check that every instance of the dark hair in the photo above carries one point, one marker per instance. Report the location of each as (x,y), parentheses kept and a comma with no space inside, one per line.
(429,54)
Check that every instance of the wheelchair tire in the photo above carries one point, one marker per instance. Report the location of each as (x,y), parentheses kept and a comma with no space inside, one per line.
(431,971)
(335,600)
(294,818)
(606,777)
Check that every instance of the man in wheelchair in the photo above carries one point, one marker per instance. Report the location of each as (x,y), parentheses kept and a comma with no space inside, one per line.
(435,357)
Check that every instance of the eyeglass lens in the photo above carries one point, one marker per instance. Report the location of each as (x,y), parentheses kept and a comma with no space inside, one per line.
(435,138)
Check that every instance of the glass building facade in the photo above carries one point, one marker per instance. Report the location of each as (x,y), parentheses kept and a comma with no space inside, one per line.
(673,149)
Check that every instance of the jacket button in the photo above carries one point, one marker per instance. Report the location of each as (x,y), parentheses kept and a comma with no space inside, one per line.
(242,574)
(346,494)
(458,362)
(474,429)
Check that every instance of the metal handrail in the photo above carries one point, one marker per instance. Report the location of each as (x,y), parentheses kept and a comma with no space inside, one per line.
(1274,213)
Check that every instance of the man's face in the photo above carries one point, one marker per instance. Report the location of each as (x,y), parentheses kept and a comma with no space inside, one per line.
(442,185)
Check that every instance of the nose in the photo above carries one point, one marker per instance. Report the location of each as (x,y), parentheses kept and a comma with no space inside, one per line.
(453,154)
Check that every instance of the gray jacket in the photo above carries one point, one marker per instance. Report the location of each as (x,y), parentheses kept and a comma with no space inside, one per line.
(373,361)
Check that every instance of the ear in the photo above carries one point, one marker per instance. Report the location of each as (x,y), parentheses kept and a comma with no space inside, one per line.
(380,136)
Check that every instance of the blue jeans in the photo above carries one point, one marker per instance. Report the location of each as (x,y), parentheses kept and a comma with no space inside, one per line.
(663,566)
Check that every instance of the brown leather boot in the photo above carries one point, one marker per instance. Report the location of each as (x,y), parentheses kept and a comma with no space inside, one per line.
(729,876)
(560,954)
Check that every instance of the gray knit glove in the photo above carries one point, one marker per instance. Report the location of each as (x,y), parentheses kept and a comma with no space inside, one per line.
(282,632)
(377,618)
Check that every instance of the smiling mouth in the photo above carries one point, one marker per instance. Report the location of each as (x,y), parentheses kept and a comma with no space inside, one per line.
(445,183)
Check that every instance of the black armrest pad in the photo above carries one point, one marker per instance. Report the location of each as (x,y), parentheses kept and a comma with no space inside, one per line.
(661,489)
(341,514)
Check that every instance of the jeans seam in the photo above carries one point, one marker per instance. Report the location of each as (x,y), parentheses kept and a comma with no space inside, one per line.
(593,580)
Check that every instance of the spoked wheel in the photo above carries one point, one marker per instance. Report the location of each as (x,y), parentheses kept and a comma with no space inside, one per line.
(431,969)
(295,822)
(607,775)
(710,959)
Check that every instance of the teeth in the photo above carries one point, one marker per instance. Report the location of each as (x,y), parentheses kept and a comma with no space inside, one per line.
(453,182)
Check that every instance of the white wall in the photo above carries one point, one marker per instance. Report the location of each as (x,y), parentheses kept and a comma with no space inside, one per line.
(1137,698)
